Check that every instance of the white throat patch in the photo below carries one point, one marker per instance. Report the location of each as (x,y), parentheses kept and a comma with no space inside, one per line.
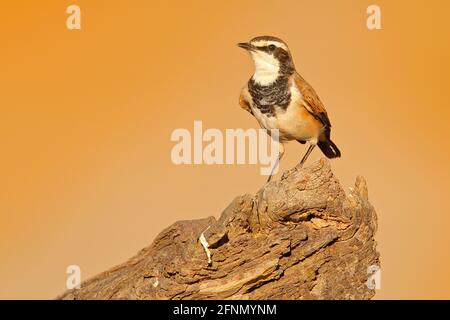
(266,68)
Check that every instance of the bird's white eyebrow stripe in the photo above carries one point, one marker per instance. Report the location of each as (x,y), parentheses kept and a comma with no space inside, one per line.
(263,43)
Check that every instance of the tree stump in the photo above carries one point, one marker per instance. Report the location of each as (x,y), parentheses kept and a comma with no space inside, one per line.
(301,237)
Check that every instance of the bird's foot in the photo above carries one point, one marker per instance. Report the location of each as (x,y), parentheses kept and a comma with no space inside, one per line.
(286,174)
(299,166)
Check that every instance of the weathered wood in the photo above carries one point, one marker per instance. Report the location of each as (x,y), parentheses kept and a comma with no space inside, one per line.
(301,237)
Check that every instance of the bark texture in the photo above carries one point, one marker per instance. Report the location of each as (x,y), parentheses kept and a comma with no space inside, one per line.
(301,237)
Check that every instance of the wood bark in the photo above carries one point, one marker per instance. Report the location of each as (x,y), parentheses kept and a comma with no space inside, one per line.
(300,237)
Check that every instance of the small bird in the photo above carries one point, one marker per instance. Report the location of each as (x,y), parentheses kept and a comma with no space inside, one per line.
(279,98)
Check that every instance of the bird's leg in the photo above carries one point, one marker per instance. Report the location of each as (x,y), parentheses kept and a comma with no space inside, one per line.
(280,155)
(308,152)
(273,168)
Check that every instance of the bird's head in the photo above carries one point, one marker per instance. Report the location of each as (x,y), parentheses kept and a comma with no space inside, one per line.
(271,57)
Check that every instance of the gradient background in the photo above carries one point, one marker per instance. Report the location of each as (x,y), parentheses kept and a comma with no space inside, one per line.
(86,117)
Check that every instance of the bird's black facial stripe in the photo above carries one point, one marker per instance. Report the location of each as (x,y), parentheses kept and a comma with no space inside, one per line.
(264,48)
(272,49)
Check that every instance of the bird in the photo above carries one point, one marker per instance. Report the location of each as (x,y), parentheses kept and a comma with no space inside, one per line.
(280,98)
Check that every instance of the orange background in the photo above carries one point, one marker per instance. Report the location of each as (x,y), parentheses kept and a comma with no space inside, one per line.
(86,117)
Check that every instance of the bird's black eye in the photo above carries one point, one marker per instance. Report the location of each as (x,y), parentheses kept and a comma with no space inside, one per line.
(272,47)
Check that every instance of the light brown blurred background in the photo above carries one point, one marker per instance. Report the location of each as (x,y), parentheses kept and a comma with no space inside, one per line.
(86,117)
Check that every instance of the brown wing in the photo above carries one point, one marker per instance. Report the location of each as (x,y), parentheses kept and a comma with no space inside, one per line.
(243,102)
(312,101)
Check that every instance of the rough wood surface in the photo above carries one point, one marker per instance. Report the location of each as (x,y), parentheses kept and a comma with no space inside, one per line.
(301,237)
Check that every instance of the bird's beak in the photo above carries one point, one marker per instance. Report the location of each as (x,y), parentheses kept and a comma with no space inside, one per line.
(246,46)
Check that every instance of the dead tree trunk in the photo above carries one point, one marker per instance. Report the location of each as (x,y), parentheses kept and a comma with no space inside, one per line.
(300,237)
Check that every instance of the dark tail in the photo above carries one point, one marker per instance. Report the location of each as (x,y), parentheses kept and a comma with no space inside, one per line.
(329,148)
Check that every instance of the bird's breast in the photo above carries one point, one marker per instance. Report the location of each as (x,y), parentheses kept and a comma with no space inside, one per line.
(293,121)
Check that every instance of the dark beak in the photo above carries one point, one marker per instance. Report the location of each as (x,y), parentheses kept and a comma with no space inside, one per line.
(246,46)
